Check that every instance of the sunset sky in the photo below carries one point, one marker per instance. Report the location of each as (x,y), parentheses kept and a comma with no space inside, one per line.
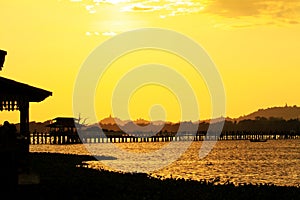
(254,44)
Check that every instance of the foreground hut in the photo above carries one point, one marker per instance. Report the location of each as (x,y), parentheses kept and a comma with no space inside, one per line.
(15,96)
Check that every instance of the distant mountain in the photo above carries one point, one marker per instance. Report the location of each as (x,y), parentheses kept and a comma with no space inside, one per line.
(112,120)
(215,120)
(40,127)
(286,113)
(110,123)
(141,121)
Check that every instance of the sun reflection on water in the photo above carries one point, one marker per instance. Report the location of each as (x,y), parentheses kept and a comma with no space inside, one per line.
(276,162)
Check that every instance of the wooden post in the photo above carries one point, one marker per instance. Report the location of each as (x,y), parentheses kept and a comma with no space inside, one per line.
(24,122)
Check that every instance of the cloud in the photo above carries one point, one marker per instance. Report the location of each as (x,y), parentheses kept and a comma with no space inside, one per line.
(294,22)
(282,11)
(140,7)
(96,33)
(265,11)
(232,8)
(168,8)
(258,11)
(109,33)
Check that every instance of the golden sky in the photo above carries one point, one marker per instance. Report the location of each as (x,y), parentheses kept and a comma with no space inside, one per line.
(254,44)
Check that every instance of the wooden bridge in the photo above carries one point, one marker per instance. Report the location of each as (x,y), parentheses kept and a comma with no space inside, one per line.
(71,138)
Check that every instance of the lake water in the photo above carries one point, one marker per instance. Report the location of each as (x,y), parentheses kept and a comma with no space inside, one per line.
(274,161)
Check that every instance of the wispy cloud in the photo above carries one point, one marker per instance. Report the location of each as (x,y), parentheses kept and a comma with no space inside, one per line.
(168,8)
(276,11)
(261,12)
(96,33)
(140,7)
(109,33)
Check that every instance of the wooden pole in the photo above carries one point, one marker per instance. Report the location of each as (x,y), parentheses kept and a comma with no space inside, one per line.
(24,122)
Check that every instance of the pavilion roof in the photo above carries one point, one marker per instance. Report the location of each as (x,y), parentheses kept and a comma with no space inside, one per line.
(13,91)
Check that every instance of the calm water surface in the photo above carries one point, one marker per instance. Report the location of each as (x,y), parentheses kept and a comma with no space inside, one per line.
(274,161)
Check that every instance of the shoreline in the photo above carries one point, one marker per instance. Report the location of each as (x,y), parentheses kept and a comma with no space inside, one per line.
(60,177)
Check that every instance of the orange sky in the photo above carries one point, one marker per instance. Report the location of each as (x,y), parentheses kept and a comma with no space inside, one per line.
(254,45)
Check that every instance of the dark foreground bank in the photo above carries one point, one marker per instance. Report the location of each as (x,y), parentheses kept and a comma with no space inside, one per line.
(61,179)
